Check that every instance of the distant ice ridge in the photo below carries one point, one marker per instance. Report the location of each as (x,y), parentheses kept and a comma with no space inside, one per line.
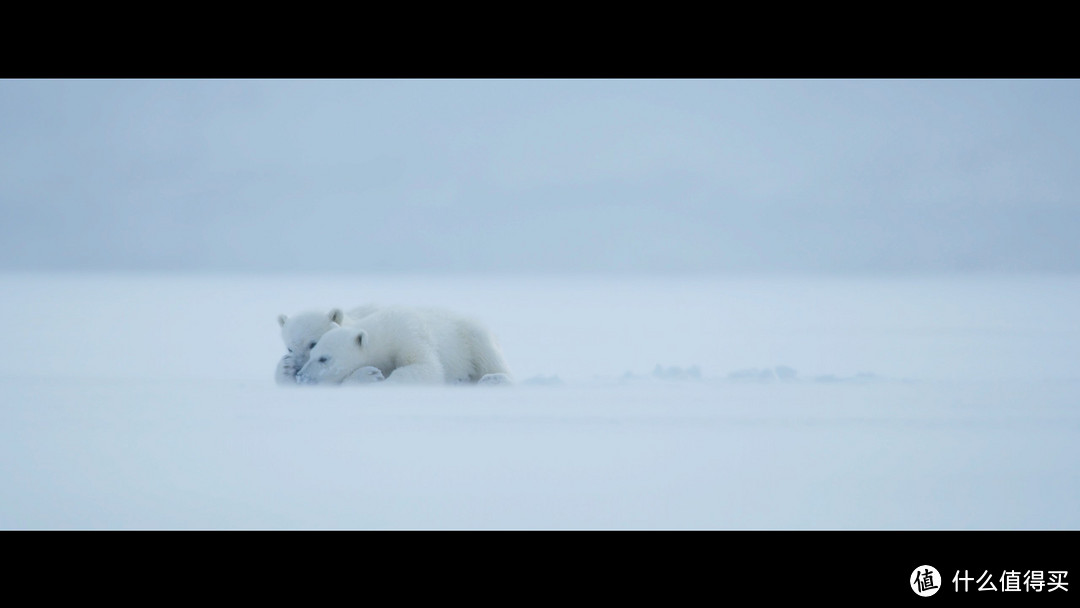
(552,380)
(677,373)
(693,374)
(783,373)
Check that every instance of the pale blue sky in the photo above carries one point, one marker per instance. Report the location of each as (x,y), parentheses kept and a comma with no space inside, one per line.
(524,176)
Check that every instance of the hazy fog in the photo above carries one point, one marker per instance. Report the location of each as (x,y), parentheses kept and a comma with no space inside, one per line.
(521,176)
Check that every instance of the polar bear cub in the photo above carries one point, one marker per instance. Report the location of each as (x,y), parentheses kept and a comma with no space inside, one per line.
(409,346)
(301,331)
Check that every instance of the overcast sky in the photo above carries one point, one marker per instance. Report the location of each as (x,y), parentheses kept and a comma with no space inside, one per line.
(526,176)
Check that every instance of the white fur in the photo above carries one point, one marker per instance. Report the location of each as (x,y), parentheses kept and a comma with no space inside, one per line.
(409,346)
(301,331)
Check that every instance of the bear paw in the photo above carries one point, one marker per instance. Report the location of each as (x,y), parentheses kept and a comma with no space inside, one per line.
(365,375)
(494,379)
(286,370)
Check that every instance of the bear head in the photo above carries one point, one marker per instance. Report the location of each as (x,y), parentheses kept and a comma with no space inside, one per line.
(339,353)
(302,331)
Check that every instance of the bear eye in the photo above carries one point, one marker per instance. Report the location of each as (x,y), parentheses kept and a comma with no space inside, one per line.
(322,359)
(290,350)
(312,345)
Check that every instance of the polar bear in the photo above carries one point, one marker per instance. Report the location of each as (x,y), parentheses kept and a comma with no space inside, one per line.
(407,346)
(301,331)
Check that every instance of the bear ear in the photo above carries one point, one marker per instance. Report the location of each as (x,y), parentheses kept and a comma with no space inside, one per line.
(281,320)
(360,338)
(336,315)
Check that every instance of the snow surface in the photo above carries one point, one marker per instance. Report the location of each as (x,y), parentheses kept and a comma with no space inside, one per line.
(148,402)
